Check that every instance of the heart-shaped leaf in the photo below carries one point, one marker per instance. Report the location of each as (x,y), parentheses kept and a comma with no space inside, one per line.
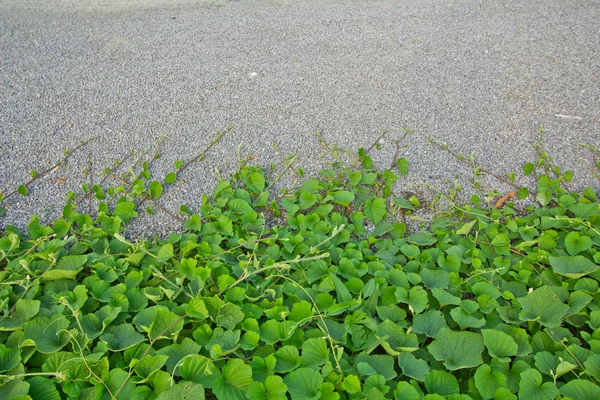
(457,349)
(531,387)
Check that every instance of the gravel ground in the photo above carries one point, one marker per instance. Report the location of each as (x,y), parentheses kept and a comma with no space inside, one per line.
(481,76)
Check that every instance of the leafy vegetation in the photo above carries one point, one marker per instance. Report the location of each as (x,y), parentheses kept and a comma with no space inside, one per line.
(319,294)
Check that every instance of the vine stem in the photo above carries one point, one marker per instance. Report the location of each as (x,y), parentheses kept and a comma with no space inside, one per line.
(574,357)
(47,171)
(107,175)
(572,220)
(287,167)
(74,313)
(91,183)
(513,250)
(247,275)
(472,165)
(170,214)
(330,339)
(397,151)
(200,156)
(172,324)
(59,375)
(376,142)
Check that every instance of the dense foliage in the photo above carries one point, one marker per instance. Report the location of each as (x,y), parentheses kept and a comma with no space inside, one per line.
(337,302)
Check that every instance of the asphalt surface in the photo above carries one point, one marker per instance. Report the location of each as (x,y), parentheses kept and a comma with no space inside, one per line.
(481,76)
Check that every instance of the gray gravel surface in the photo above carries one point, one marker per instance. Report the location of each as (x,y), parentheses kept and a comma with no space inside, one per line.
(481,76)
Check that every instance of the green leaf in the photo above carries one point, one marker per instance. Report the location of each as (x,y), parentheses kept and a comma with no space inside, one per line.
(304,384)
(263,367)
(528,168)
(379,364)
(256,182)
(531,387)
(193,223)
(499,344)
(375,387)
(542,305)
(441,382)
(227,340)
(249,340)
(272,389)
(273,331)
(429,323)
(375,210)
(413,367)
(229,316)
(444,297)
(24,310)
(488,382)
(72,262)
(15,389)
(435,278)
(110,225)
(549,364)
(583,210)
(466,228)
(41,388)
(504,394)
(239,206)
(457,349)
(416,298)
(581,389)
(121,337)
(165,253)
(301,311)
(290,206)
(9,358)
(149,364)
(410,251)
(307,200)
(288,359)
(343,197)
(520,337)
(421,239)
(98,192)
(405,391)
(116,380)
(160,381)
(592,366)
(576,244)
(351,384)
(183,391)
(523,193)
(165,325)
(199,369)
(354,177)
(403,203)
(196,308)
(235,380)
(314,353)
(572,267)
(22,189)
(48,334)
(125,210)
(402,164)
(170,178)
(397,339)
(156,190)
(58,274)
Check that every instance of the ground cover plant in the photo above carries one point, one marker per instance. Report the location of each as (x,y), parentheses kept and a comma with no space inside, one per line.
(319,294)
